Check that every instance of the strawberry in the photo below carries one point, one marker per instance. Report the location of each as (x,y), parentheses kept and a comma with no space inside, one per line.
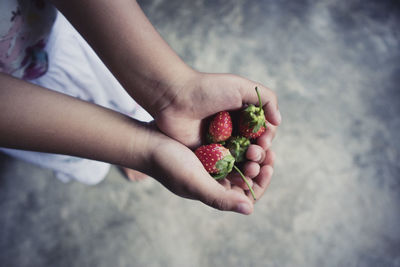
(238,145)
(252,122)
(216,159)
(220,128)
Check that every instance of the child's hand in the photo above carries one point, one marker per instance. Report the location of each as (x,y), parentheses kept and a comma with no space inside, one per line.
(178,98)
(204,95)
(178,169)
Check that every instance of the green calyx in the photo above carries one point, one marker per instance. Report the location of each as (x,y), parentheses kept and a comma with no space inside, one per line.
(254,116)
(238,146)
(224,167)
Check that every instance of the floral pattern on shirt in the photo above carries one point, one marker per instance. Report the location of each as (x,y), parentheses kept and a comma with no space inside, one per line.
(24,28)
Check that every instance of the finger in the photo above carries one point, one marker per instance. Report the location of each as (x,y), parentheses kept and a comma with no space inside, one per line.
(271,131)
(270,105)
(250,170)
(245,192)
(194,182)
(225,183)
(219,197)
(268,98)
(269,158)
(262,181)
(255,153)
(191,179)
(237,180)
(237,188)
(265,140)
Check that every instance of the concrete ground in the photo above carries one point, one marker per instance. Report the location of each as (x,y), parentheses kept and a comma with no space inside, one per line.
(334,199)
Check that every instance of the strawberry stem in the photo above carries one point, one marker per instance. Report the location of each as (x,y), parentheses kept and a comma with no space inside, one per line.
(259,98)
(245,180)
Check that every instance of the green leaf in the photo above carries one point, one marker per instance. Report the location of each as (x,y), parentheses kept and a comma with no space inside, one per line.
(224,166)
(257,128)
(218,176)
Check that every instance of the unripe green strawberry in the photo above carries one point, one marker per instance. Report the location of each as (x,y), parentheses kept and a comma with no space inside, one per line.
(216,159)
(252,122)
(238,145)
(220,128)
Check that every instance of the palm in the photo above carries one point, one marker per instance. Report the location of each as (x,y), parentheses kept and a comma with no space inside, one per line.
(184,120)
(178,169)
(188,178)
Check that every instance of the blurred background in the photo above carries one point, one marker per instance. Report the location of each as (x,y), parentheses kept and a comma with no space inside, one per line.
(335,195)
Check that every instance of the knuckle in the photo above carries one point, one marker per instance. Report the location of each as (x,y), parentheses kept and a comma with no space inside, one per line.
(273,156)
(273,96)
(219,203)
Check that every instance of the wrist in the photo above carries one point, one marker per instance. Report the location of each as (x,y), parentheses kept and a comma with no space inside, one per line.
(140,151)
(155,91)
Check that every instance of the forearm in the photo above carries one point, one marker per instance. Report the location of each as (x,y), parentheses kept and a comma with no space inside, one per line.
(129,45)
(34,118)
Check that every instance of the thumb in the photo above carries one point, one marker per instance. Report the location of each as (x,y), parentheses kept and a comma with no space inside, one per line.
(230,200)
(179,170)
(213,194)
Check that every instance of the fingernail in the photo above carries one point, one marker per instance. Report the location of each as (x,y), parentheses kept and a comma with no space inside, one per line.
(244,208)
(279,116)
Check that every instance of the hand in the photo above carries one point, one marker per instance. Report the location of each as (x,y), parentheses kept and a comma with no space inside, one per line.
(201,96)
(178,169)
(147,67)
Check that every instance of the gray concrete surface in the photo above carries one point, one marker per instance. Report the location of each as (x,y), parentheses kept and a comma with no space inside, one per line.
(335,195)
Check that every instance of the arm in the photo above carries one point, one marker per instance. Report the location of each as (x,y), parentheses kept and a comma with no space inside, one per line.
(178,97)
(174,94)
(33,118)
(132,49)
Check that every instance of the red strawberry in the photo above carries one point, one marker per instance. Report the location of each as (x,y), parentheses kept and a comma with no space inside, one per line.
(220,128)
(216,159)
(252,120)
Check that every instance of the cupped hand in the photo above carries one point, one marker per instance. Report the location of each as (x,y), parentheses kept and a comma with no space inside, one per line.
(202,95)
(179,170)
(183,120)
